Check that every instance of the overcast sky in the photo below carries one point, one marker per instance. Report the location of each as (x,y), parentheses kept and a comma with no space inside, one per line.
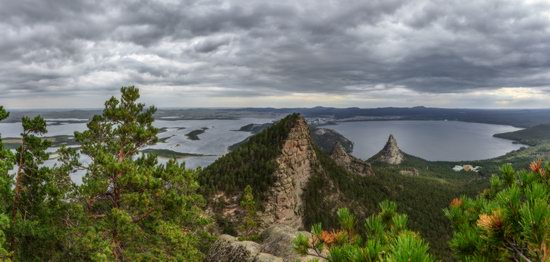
(367,53)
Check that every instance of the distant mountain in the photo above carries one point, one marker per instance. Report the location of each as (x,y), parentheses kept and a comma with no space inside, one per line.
(514,117)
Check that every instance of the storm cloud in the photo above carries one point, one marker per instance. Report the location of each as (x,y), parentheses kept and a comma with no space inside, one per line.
(353,52)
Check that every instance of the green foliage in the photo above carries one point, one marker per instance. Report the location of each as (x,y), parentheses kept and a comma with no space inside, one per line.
(135,209)
(252,163)
(422,197)
(37,230)
(531,136)
(386,238)
(249,223)
(509,221)
(6,181)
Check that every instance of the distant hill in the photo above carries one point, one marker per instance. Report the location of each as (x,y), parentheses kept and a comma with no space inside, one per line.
(530,136)
(514,117)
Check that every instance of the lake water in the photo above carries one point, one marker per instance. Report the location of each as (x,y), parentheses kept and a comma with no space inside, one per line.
(212,143)
(431,140)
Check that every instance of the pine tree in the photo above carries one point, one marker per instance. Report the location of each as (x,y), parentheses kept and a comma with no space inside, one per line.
(249,223)
(39,199)
(387,239)
(6,196)
(136,209)
(509,221)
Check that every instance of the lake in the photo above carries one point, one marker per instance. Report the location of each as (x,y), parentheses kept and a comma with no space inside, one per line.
(431,140)
(214,142)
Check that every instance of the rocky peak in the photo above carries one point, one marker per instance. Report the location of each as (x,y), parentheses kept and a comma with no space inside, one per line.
(295,166)
(391,153)
(350,163)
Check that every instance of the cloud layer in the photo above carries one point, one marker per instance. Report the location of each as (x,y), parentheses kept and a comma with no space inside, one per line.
(68,53)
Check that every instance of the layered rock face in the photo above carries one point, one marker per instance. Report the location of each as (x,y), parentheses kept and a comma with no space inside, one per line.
(391,153)
(295,165)
(350,163)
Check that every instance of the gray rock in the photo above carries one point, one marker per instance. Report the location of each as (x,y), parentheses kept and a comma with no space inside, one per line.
(391,153)
(230,249)
(350,163)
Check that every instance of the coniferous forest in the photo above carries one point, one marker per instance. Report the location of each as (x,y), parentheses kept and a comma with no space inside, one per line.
(130,207)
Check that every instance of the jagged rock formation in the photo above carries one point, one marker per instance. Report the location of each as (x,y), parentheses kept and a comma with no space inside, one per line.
(350,163)
(391,153)
(295,164)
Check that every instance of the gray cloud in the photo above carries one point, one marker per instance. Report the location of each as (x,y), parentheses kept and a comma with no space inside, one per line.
(266,48)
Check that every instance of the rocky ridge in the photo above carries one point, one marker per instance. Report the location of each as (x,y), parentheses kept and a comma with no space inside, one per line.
(350,163)
(295,165)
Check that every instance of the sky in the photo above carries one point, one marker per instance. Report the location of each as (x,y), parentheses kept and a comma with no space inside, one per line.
(284,53)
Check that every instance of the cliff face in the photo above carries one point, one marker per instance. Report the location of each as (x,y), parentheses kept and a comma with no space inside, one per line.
(295,164)
(391,153)
(350,163)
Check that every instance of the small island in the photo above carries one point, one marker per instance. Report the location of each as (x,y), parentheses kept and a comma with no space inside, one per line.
(194,135)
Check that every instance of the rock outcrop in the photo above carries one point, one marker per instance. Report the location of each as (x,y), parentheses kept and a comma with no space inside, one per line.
(350,163)
(278,240)
(391,153)
(276,247)
(230,249)
(295,165)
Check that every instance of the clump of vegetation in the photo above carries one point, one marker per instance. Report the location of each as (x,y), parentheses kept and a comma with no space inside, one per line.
(249,221)
(386,238)
(508,221)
